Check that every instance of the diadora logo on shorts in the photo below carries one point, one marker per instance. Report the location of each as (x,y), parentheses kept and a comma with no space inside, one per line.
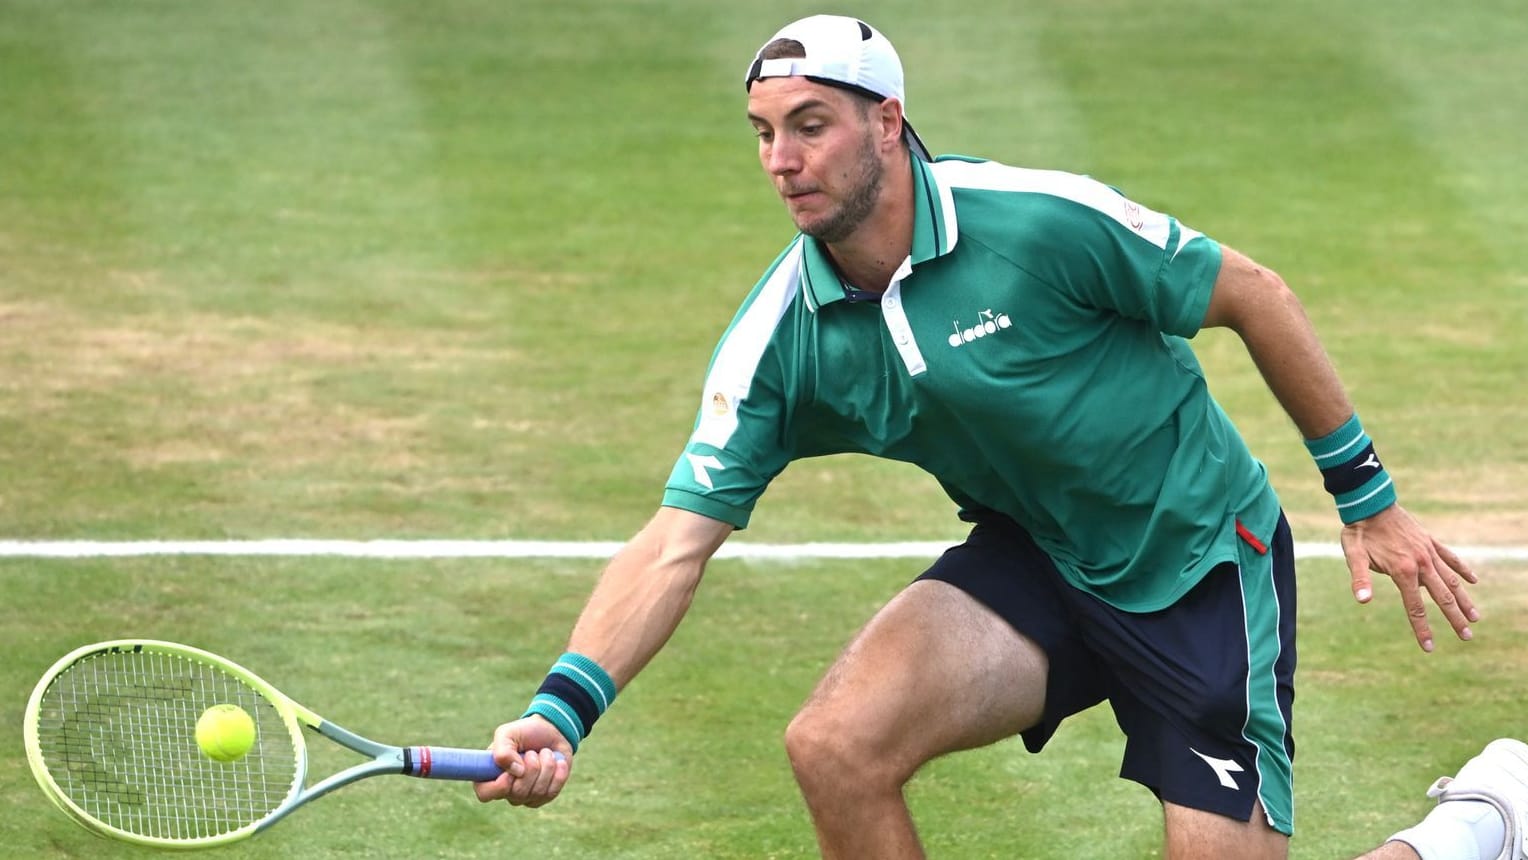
(1223,768)
(986,323)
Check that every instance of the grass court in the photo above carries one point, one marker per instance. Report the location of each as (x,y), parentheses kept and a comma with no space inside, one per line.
(388,270)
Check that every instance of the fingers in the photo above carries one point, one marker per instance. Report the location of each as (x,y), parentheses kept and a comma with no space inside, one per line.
(1447,589)
(1394,544)
(506,755)
(1431,574)
(546,772)
(1416,610)
(534,773)
(506,749)
(488,791)
(543,774)
(1444,582)
(1358,565)
(1456,564)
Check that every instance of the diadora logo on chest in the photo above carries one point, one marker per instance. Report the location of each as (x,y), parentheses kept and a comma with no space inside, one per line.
(986,323)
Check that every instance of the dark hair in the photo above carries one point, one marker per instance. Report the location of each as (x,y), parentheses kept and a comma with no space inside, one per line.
(783,49)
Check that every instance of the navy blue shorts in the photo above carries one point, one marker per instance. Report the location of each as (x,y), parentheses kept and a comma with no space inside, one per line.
(1202,689)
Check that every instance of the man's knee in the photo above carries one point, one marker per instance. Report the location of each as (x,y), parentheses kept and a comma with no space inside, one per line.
(828,747)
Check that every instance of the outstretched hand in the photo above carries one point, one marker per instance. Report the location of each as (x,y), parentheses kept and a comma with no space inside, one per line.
(1393,543)
(536,759)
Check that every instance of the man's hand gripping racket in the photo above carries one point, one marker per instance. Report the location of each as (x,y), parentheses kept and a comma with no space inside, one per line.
(531,778)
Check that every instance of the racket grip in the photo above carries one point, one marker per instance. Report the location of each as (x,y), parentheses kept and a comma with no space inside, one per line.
(450,763)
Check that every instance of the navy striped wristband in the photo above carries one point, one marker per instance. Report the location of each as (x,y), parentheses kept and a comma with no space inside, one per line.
(1352,471)
(575,693)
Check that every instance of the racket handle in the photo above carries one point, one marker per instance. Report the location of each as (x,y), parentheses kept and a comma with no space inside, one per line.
(450,763)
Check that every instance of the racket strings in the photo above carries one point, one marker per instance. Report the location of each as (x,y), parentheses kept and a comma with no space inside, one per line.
(117,732)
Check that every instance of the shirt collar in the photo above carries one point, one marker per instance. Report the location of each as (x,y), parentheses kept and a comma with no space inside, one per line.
(934,235)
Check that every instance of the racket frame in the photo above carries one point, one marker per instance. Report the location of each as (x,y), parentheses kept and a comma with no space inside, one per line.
(384,758)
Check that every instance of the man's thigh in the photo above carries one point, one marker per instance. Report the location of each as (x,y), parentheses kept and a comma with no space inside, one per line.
(934,671)
(980,648)
(1194,834)
(1002,568)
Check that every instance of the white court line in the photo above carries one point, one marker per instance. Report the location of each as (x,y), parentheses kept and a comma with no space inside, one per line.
(403,549)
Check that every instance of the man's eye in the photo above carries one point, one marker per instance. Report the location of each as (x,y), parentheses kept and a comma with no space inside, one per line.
(812,130)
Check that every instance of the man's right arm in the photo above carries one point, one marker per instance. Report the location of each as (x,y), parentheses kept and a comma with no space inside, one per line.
(634,609)
(645,591)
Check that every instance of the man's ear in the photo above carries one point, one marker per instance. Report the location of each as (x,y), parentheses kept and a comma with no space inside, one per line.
(890,115)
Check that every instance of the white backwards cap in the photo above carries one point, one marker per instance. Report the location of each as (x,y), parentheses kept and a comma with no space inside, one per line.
(845,53)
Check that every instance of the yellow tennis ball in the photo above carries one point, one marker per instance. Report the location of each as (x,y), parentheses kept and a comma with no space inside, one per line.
(225,732)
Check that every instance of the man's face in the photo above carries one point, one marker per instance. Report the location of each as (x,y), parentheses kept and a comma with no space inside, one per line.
(822,151)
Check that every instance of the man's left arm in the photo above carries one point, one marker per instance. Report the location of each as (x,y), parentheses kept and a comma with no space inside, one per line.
(1255,302)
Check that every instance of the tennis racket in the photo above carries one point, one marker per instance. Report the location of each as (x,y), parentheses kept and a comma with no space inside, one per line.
(110,736)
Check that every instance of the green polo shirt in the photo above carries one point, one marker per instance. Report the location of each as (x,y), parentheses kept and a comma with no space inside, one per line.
(1029,354)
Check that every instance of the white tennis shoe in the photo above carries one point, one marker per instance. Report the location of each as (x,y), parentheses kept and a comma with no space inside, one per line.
(1498,776)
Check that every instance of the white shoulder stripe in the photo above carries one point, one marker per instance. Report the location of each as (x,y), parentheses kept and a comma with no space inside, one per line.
(737,358)
(1185,236)
(1154,227)
(951,223)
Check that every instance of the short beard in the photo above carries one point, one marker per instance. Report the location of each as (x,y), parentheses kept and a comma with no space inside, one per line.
(858,205)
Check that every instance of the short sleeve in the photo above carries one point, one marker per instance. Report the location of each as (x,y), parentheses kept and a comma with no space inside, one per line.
(1112,253)
(743,434)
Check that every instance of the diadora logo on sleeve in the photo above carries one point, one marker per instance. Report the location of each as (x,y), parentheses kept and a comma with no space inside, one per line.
(702,467)
(986,323)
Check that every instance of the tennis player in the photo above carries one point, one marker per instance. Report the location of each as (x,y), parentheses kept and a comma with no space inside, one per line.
(1021,335)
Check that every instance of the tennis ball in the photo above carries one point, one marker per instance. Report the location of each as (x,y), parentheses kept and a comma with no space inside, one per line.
(225,732)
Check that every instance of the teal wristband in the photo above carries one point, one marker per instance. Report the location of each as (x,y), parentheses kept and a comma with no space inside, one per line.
(575,693)
(1352,471)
